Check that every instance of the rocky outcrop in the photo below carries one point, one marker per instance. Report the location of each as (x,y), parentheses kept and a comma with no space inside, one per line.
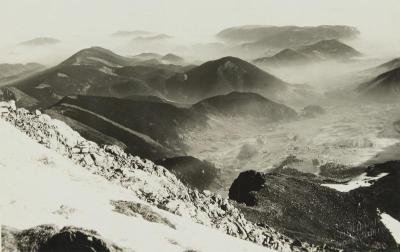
(149,182)
(50,238)
(245,186)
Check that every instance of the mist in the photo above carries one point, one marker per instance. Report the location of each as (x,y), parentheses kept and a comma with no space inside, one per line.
(192,24)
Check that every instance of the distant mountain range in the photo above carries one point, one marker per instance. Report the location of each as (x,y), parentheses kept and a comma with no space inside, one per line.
(281,37)
(322,50)
(100,72)
(42,41)
(156,58)
(97,71)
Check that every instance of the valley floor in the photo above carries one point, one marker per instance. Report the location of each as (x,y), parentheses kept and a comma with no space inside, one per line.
(348,133)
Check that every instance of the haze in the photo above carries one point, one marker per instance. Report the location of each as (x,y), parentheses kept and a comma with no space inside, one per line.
(189,20)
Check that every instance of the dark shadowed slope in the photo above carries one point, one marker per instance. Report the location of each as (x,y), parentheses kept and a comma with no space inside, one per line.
(245,105)
(298,205)
(149,129)
(222,76)
(385,87)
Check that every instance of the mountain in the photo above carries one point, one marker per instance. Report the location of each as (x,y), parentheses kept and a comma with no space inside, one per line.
(291,200)
(137,200)
(385,67)
(322,50)
(245,106)
(222,76)
(286,57)
(43,41)
(153,132)
(9,72)
(155,58)
(281,37)
(330,49)
(147,56)
(97,71)
(98,56)
(172,59)
(156,130)
(390,65)
(385,87)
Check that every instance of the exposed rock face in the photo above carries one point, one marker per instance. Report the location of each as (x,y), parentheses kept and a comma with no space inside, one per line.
(149,182)
(245,186)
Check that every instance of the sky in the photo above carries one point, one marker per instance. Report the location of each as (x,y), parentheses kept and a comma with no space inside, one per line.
(25,19)
(87,22)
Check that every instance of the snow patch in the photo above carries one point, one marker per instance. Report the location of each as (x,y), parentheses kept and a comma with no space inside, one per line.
(42,86)
(105,62)
(107,70)
(392,224)
(361,181)
(62,75)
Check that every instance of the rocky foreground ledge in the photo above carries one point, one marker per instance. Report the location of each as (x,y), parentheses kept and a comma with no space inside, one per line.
(149,182)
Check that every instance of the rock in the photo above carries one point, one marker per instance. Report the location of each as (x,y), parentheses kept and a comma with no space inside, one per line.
(37,112)
(87,160)
(243,186)
(76,239)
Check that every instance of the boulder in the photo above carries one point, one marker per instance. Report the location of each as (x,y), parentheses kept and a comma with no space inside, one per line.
(244,186)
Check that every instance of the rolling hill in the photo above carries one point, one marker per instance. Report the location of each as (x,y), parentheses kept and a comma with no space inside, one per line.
(222,76)
(246,106)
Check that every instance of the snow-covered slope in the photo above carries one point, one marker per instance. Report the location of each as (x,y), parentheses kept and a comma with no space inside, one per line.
(49,174)
(39,186)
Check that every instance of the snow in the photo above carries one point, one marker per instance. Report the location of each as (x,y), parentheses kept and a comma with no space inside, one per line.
(361,181)
(39,186)
(62,75)
(107,70)
(392,224)
(105,62)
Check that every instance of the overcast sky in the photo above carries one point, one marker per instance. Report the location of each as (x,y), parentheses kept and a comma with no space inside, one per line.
(25,19)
